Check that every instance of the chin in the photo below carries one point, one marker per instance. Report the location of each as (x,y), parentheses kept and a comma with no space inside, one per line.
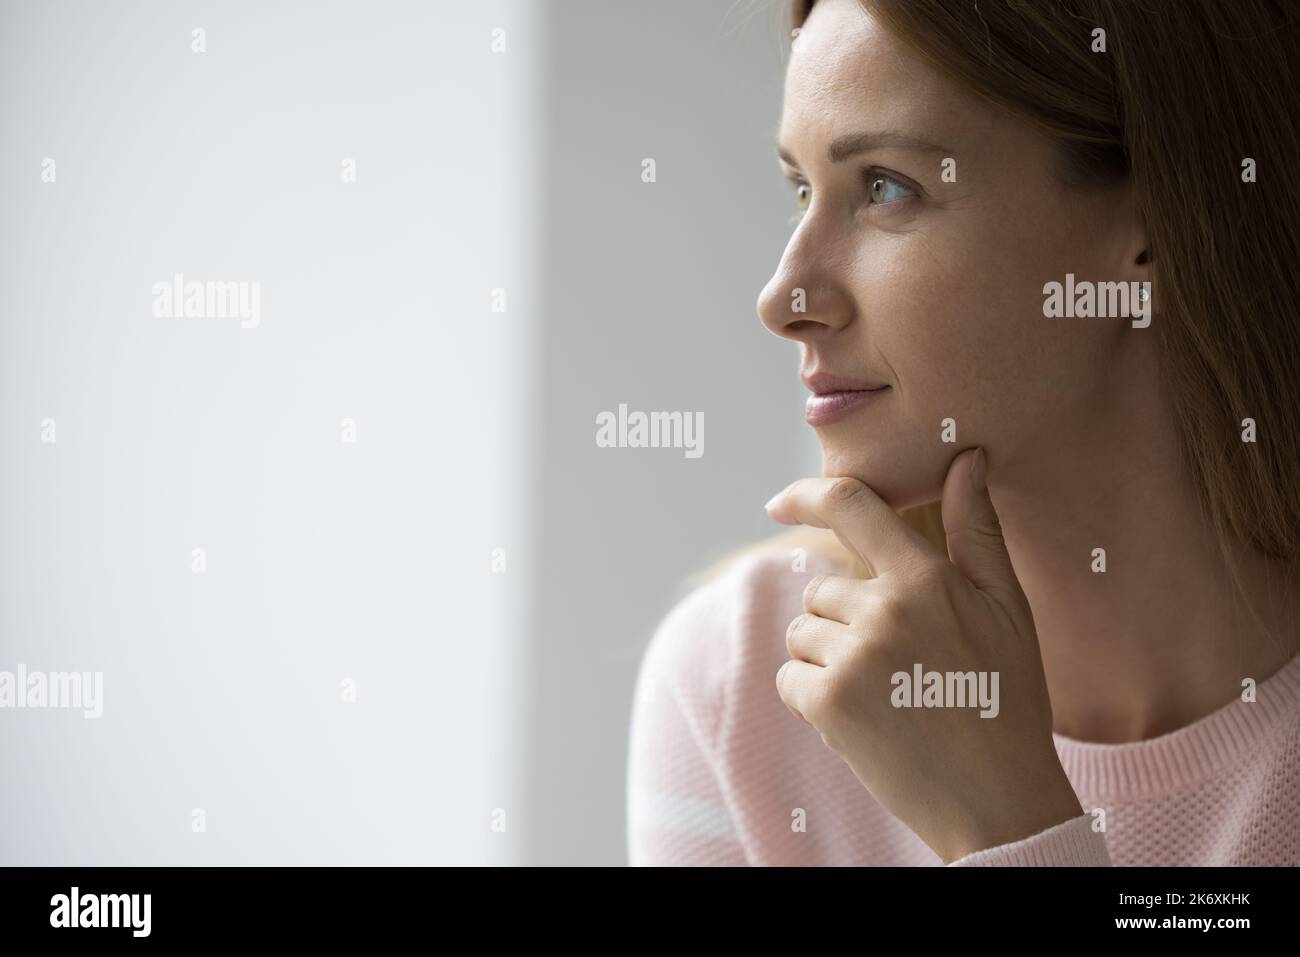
(902,481)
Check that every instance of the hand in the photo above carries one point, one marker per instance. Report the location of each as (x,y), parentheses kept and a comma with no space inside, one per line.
(960,781)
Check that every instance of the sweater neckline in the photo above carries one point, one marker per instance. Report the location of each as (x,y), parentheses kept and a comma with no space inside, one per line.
(1188,754)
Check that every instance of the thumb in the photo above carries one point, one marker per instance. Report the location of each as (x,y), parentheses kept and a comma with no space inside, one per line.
(971,524)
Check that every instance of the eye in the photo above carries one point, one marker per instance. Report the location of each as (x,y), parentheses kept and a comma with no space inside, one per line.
(886,189)
(803,196)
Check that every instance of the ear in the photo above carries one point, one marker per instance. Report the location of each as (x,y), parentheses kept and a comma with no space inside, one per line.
(1134,245)
(1140,280)
(1130,255)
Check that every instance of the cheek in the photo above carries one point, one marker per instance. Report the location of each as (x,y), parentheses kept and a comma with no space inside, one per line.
(954,314)
(946,333)
(960,322)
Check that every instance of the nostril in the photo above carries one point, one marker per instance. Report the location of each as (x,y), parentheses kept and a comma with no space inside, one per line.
(800,326)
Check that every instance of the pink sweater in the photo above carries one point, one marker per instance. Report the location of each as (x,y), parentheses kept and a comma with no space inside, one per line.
(721,773)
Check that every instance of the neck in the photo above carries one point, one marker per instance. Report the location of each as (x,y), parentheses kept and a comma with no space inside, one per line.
(1162,637)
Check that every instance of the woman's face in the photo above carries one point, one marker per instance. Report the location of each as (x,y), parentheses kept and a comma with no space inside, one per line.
(931,291)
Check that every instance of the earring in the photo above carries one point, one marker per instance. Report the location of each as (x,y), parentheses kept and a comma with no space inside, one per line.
(1143,293)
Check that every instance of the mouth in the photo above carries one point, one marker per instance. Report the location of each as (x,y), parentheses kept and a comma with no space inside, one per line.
(825,408)
(834,398)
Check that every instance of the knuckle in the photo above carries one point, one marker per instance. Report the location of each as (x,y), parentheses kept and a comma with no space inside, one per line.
(793,630)
(845,492)
(982,538)
(810,592)
(866,650)
(818,707)
(781,679)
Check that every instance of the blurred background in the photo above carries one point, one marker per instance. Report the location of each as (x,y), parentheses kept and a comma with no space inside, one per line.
(361,584)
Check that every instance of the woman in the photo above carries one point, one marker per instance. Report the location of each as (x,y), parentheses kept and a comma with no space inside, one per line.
(1050,614)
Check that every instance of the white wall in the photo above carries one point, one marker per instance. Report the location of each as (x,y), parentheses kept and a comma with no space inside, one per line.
(325,560)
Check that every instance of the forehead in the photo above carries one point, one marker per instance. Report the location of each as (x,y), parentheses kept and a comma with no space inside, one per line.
(847,73)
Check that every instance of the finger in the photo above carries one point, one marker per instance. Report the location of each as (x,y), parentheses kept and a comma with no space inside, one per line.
(974,533)
(862,521)
(813,639)
(834,597)
(795,683)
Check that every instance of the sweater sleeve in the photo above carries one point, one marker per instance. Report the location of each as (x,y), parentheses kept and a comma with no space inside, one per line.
(1071,843)
(677,812)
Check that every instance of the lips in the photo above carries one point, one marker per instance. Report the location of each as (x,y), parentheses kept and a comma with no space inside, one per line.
(835,397)
(825,383)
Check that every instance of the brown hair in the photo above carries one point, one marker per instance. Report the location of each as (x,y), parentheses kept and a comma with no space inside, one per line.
(1183,94)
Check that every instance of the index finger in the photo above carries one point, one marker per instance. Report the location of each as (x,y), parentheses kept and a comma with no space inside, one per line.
(860,518)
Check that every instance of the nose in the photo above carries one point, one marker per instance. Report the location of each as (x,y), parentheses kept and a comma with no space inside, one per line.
(805,299)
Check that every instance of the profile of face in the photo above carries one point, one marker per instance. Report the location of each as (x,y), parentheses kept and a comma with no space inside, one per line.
(928,223)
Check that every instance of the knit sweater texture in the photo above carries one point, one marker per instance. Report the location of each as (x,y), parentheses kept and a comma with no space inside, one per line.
(721,773)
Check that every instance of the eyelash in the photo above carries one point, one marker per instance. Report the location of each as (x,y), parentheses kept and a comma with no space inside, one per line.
(871,175)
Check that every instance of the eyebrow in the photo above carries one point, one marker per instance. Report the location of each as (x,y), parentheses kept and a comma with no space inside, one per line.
(852,144)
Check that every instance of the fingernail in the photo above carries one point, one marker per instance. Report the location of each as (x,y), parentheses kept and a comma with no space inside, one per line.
(978,468)
(772,501)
